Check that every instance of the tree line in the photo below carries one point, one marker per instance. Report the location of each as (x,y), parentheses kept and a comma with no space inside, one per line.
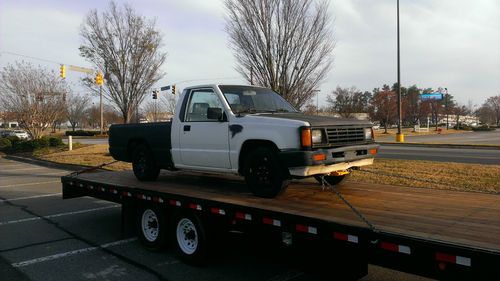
(381,105)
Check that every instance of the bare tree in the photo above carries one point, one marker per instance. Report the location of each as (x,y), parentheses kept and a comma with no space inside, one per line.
(33,94)
(168,103)
(493,103)
(76,108)
(153,111)
(460,110)
(126,48)
(281,44)
(346,101)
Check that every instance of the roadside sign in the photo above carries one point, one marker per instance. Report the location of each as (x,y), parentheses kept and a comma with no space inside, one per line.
(431,96)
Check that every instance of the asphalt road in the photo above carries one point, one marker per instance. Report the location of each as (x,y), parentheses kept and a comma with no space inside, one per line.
(46,238)
(460,155)
(488,138)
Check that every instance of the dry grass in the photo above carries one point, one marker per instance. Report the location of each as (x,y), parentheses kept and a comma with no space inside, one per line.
(429,174)
(410,132)
(415,173)
(91,155)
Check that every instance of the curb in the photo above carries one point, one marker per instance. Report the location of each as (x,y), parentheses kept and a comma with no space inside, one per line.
(44,163)
(439,145)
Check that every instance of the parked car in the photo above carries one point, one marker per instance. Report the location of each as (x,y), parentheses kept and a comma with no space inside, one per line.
(19,133)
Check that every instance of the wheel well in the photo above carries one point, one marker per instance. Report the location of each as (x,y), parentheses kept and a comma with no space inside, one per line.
(250,145)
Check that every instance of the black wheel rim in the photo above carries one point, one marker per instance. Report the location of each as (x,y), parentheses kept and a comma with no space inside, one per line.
(141,163)
(261,171)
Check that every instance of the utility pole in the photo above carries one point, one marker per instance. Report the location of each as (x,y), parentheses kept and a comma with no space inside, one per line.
(100,109)
(399,136)
(251,75)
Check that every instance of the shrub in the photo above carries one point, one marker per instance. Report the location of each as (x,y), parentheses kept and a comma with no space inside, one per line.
(483,128)
(5,144)
(41,142)
(82,133)
(55,142)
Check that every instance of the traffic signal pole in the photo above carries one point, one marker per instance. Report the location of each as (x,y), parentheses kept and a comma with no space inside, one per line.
(100,108)
(399,136)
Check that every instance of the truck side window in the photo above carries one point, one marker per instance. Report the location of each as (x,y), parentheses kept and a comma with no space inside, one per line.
(199,102)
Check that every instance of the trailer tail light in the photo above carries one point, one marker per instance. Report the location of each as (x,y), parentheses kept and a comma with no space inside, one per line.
(395,248)
(243,216)
(175,203)
(372,151)
(442,257)
(270,221)
(345,237)
(306,229)
(157,200)
(218,211)
(126,194)
(195,206)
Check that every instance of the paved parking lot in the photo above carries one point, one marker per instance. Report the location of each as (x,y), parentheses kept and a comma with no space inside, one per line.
(46,238)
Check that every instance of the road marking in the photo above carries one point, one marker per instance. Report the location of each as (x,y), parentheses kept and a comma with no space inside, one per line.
(30,183)
(29,197)
(58,215)
(72,253)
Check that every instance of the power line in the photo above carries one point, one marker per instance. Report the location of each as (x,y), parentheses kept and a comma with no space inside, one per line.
(30,57)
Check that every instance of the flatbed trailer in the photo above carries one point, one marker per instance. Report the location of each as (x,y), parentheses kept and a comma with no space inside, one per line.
(434,233)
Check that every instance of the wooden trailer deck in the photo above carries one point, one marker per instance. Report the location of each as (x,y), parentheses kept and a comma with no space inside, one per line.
(461,218)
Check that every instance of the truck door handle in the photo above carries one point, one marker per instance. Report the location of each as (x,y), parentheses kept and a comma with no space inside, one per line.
(187,128)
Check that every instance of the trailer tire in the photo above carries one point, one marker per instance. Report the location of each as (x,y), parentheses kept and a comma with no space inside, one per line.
(189,238)
(152,227)
(143,164)
(264,174)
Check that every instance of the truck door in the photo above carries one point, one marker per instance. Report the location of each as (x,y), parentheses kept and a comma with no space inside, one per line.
(204,142)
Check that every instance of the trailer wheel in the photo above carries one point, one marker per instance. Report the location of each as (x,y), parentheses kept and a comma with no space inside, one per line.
(332,180)
(189,238)
(152,228)
(264,174)
(143,164)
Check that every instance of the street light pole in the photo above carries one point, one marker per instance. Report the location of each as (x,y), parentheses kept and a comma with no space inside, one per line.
(399,135)
(446,97)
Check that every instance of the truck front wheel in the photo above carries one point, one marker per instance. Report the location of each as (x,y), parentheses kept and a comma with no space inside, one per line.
(264,174)
(143,164)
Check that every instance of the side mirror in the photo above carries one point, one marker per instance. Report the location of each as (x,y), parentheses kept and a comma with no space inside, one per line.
(214,113)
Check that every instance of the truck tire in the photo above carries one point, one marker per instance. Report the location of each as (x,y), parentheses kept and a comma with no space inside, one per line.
(152,227)
(332,180)
(143,164)
(263,173)
(189,238)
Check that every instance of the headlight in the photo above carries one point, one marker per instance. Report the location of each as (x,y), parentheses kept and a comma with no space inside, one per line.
(317,136)
(368,134)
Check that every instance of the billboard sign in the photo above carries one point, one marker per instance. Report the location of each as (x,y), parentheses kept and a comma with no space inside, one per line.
(431,96)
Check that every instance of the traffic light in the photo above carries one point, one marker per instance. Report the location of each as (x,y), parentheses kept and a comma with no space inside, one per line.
(173,89)
(99,79)
(155,94)
(62,71)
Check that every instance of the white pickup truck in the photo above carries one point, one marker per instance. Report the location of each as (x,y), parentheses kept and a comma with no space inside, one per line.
(249,131)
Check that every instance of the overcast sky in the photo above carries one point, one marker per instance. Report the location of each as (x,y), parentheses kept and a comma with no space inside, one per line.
(445,43)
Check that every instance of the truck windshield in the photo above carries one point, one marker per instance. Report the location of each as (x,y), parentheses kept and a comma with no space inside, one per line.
(247,99)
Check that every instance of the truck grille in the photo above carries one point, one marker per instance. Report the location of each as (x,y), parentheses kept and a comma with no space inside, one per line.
(342,135)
